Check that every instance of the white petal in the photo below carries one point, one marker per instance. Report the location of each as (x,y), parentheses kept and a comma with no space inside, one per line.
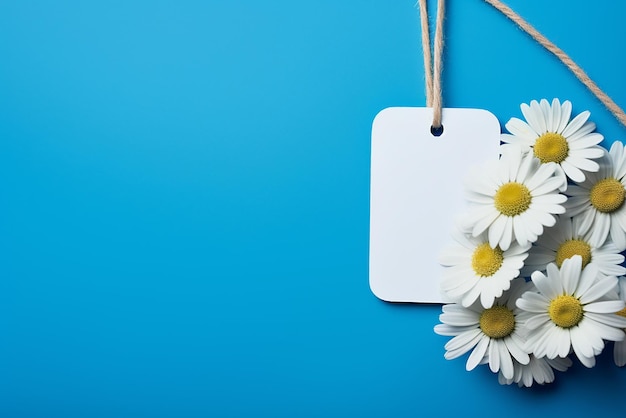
(551,286)
(543,173)
(513,164)
(587,141)
(586,221)
(609,319)
(536,321)
(556,115)
(493,357)
(506,363)
(470,297)
(515,348)
(599,289)
(484,222)
(583,132)
(601,229)
(530,117)
(566,112)
(520,231)
(562,344)
(617,234)
(605,307)
(573,172)
(451,331)
(538,117)
(478,353)
(604,331)
(583,163)
(580,343)
(496,230)
(570,274)
(543,345)
(547,115)
(587,279)
(466,340)
(619,353)
(533,302)
(507,236)
(588,362)
(576,123)
(521,129)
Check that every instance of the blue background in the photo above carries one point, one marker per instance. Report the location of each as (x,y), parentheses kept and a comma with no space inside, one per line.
(184,193)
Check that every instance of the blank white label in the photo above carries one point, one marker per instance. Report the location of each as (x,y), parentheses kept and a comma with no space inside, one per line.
(417,192)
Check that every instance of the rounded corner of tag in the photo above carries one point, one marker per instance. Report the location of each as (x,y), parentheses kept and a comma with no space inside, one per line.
(383,114)
(490,116)
(379,291)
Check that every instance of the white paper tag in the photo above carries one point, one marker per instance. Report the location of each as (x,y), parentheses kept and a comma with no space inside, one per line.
(417,192)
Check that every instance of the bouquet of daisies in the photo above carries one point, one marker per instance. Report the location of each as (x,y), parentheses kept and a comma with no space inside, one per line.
(535,274)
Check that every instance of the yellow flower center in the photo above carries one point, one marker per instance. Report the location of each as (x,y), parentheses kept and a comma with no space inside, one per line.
(486,261)
(566,311)
(571,248)
(497,321)
(551,147)
(607,195)
(512,198)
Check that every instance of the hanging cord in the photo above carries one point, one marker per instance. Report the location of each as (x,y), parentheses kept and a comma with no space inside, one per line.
(433,67)
(563,57)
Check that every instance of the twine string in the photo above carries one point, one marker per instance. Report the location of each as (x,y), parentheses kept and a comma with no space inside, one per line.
(428,68)
(563,57)
(433,66)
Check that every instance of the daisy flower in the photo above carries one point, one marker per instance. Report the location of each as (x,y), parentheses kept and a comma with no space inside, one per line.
(539,370)
(476,270)
(563,241)
(571,311)
(619,349)
(513,199)
(600,199)
(491,334)
(554,137)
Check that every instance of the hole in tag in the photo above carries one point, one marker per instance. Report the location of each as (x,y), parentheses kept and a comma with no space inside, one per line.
(436,131)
